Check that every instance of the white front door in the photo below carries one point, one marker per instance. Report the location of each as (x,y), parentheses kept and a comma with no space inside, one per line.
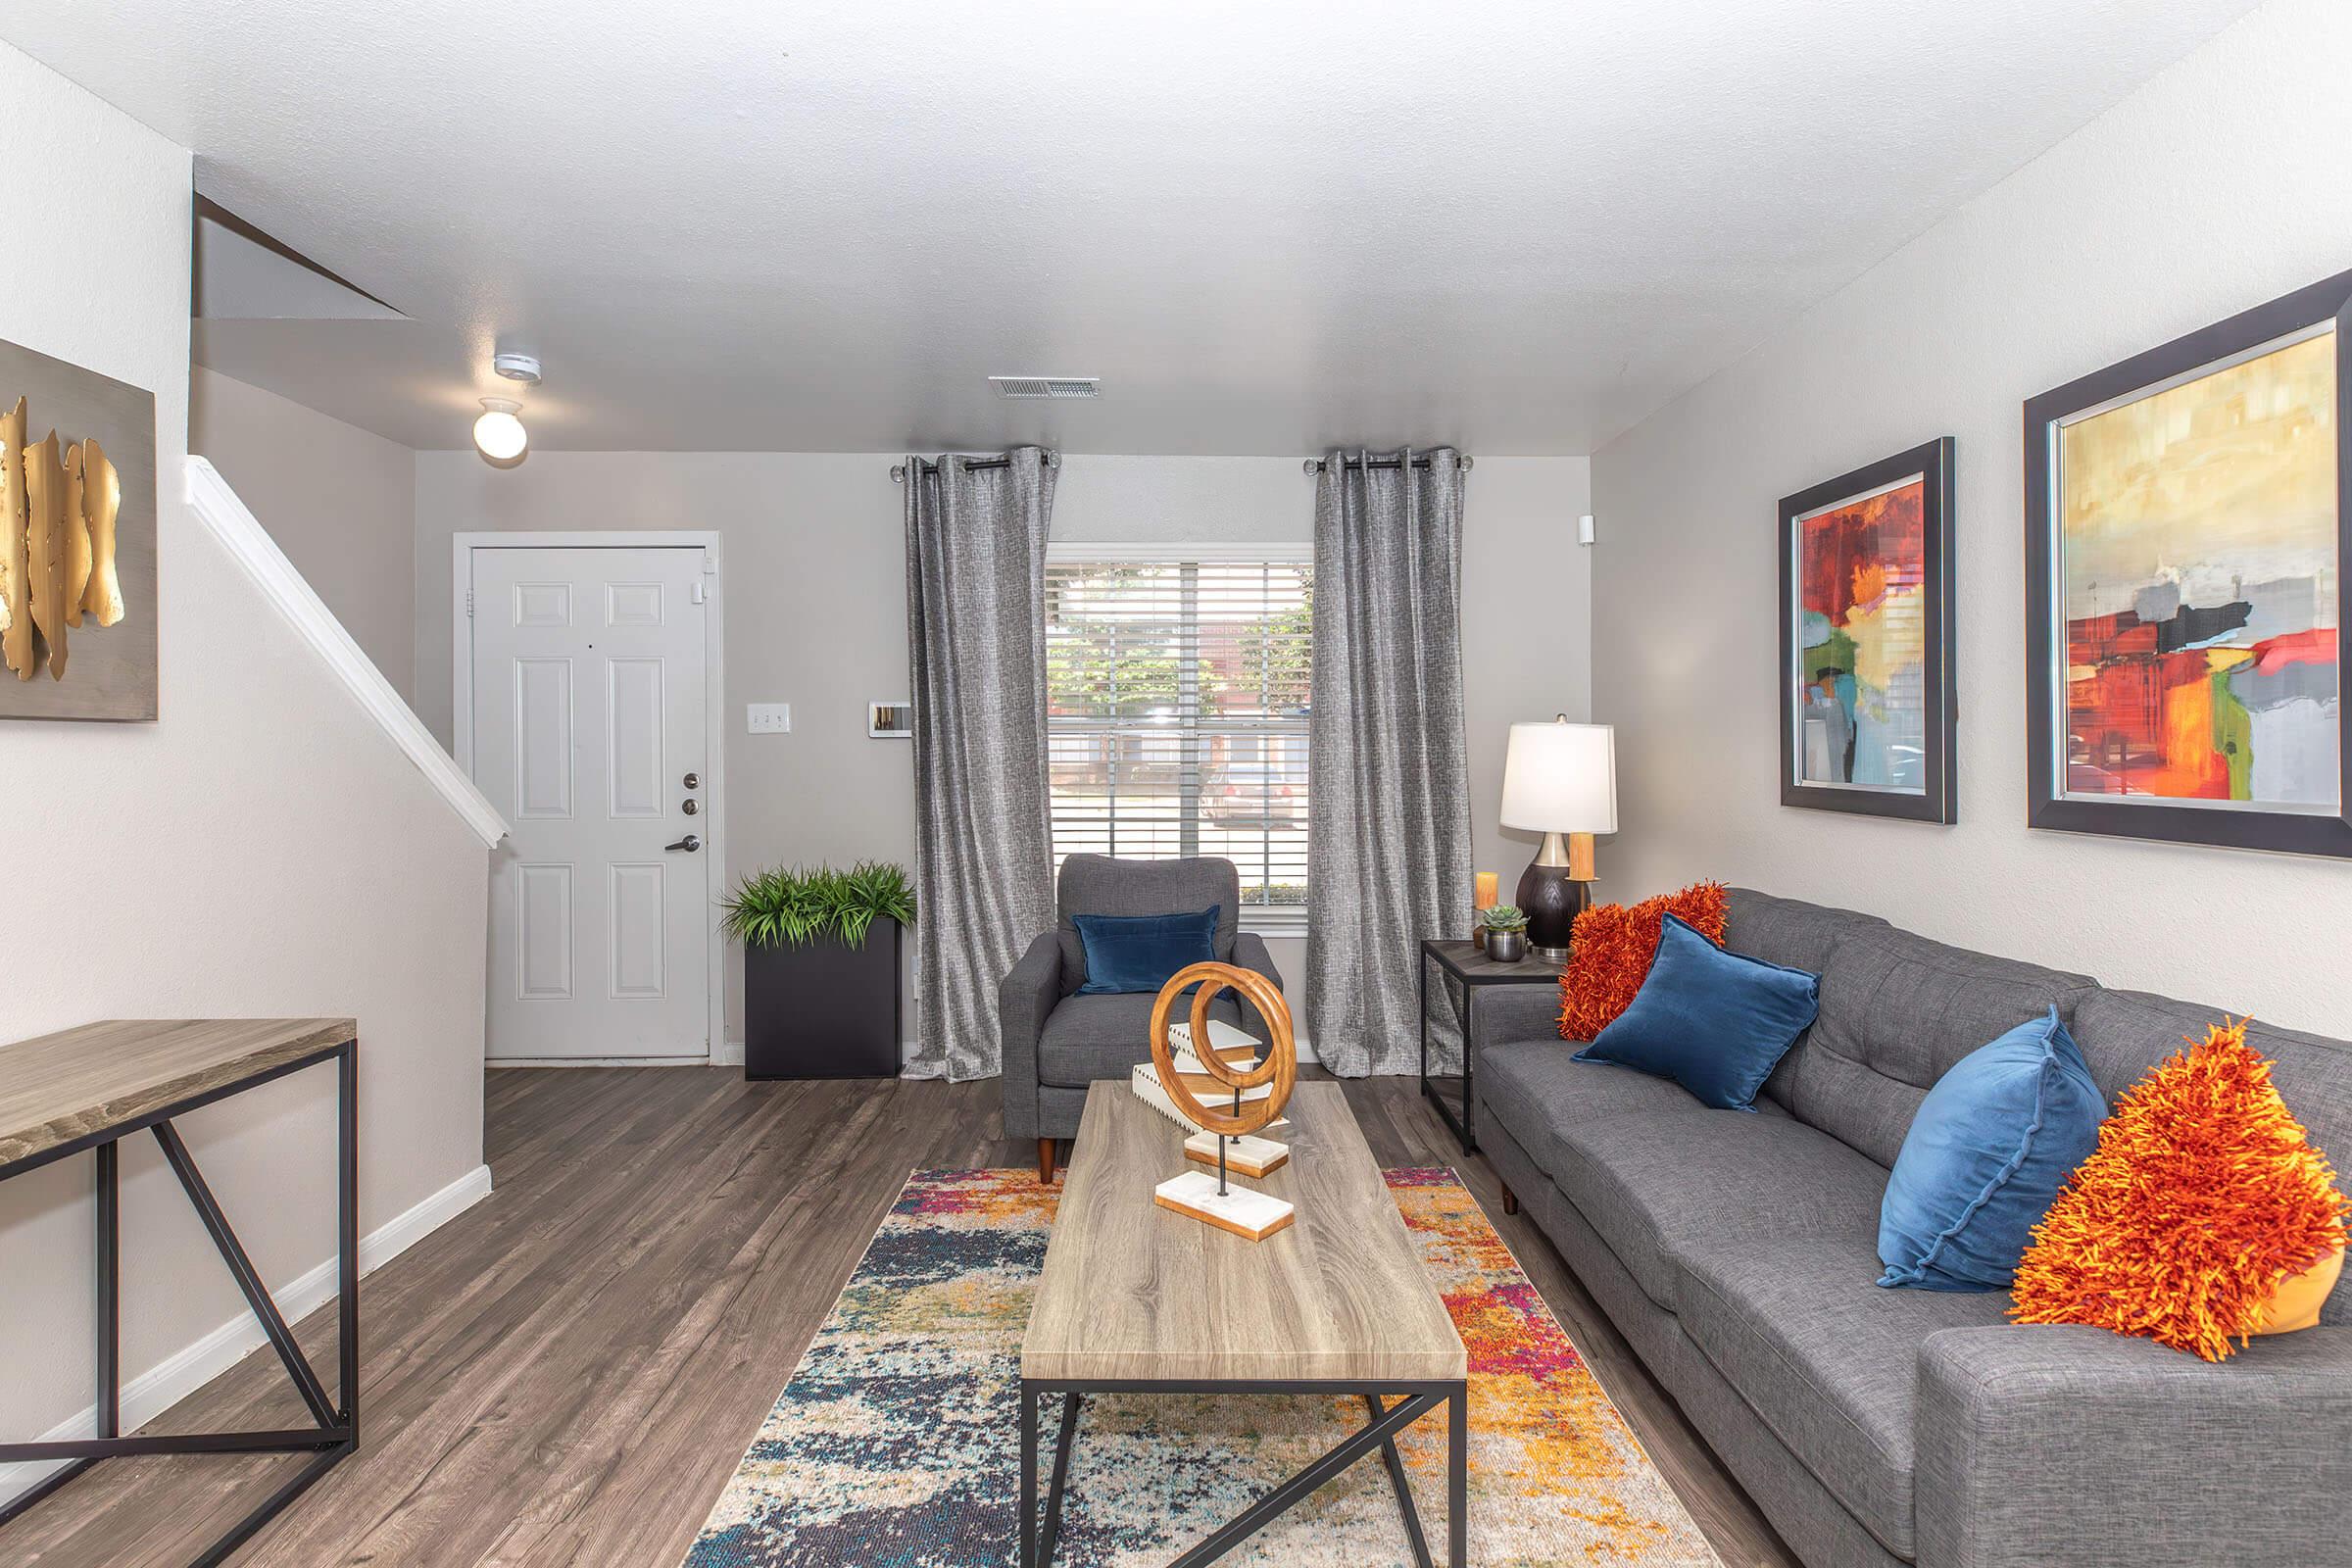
(588,733)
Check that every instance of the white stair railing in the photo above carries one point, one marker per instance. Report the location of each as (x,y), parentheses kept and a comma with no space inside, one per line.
(249,544)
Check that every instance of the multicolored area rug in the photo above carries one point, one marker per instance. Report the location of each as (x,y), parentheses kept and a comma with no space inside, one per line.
(896,1444)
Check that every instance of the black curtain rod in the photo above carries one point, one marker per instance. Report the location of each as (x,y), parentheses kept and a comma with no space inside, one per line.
(898,470)
(1318,465)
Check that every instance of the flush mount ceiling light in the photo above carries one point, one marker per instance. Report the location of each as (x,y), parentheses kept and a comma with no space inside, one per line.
(498,435)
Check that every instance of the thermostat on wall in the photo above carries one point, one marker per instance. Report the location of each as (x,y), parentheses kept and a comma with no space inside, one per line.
(891,722)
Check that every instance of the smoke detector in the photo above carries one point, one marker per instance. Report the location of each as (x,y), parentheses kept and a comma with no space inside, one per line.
(1046,386)
(522,367)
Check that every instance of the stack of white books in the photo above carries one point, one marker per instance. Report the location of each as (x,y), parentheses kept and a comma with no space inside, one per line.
(1248,1156)
(1232,1047)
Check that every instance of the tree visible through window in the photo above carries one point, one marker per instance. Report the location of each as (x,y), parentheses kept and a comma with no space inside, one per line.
(1176,714)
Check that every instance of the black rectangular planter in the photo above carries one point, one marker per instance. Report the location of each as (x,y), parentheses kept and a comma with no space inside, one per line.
(823,1010)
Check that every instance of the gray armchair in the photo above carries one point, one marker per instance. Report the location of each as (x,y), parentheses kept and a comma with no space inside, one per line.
(1057,1042)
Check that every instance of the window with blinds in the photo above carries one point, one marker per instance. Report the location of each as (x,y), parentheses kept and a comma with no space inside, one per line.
(1176,712)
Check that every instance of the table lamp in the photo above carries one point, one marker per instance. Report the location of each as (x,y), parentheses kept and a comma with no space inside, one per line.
(1560,780)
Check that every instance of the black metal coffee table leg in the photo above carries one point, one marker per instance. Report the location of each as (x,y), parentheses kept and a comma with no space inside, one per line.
(1403,1487)
(1061,1474)
(1415,1401)
(1028,1555)
(1457,1477)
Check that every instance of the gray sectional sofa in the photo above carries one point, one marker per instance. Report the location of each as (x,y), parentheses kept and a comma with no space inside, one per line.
(1737,1252)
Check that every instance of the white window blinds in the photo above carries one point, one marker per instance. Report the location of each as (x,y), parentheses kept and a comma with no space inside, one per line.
(1176,715)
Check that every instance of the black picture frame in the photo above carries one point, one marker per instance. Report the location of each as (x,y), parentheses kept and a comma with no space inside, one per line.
(1939,800)
(2048,805)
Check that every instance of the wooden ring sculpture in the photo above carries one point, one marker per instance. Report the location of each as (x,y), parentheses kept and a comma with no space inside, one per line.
(1278,1066)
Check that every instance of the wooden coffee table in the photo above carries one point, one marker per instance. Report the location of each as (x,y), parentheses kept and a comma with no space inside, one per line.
(1138,1299)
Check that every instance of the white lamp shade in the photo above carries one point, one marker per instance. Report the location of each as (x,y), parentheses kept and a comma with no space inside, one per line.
(1561,778)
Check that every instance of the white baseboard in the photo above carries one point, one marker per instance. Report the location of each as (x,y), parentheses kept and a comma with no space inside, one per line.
(496,1062)
(391,1238)
(161,1386)
(728,1054)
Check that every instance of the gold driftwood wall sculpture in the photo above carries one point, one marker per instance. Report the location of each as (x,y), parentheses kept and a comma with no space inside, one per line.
(57,543)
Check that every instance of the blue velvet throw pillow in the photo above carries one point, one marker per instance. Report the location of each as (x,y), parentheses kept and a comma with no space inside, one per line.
(1140,951)
(1714,1021)
(1992,1145)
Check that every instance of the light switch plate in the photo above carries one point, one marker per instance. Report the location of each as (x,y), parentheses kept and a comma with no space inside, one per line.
(769,719)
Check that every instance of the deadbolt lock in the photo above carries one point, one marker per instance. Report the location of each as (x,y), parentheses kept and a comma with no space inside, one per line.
(693,781)
(689,808)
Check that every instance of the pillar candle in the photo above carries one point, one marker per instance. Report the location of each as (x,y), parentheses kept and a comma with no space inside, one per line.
(1488,889)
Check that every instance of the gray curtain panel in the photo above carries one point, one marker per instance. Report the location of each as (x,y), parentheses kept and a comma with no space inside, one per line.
(1389,837)
(976,641)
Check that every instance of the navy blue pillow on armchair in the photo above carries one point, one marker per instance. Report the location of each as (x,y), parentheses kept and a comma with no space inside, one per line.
(1127,953)
(1713,1021)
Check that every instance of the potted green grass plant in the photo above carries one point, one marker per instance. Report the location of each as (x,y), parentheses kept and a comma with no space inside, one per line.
(820,969)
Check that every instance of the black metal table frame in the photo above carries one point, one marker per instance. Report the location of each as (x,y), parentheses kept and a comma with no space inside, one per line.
(1464,1126)
(1415,1399)
(337,1432)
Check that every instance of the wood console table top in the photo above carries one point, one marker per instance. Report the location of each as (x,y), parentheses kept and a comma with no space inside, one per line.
(64,1086)
(1132,1290)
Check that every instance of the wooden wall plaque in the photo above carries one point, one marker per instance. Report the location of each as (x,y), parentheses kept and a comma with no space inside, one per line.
(77,566)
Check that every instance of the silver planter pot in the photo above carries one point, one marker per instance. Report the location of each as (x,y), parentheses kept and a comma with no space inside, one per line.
(1506,946)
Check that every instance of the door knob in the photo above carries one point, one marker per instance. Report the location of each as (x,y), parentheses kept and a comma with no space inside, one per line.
(689,844)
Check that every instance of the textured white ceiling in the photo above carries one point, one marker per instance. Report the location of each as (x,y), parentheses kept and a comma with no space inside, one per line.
(1519,226)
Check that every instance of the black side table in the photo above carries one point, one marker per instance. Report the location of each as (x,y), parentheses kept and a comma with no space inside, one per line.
(1469,967)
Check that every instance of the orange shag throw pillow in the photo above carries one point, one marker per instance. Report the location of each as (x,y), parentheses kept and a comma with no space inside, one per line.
(2203,1194)
(1610,946)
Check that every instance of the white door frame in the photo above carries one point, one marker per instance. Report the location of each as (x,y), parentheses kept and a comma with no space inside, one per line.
(714,724)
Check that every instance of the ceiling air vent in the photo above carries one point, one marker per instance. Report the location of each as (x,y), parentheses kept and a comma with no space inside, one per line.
(1045,386)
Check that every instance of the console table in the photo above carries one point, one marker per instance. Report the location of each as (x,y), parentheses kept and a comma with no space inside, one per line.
(1470,967)
(89,1088)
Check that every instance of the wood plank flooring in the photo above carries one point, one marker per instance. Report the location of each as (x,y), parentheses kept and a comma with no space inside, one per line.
(567,1373)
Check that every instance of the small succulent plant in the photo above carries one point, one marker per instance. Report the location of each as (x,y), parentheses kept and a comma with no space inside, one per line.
(1504,917)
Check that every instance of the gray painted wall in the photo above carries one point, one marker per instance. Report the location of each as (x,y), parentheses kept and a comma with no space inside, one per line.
(2214,188)
(261,850)
(816,616)
(340,501)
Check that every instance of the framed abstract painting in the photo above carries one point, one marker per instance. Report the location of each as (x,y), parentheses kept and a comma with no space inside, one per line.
(2185,547)
(1866,641)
